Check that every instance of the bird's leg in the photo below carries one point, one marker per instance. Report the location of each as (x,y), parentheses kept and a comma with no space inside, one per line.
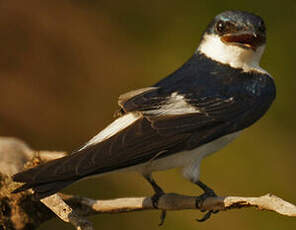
(208,192)
(155,198)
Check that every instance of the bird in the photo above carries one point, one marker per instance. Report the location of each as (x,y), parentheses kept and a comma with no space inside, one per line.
(195,111)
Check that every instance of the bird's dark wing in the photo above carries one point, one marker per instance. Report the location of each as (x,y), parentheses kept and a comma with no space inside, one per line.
(172,113)
(164,123)
(137,143)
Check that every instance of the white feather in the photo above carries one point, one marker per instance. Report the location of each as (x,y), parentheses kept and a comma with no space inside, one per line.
(176,104)
(231,54)
(115,127)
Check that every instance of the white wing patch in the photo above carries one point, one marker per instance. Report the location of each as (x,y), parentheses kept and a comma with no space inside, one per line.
(176,104)
(115,127)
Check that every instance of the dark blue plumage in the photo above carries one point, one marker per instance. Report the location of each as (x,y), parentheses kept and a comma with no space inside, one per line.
(240,98)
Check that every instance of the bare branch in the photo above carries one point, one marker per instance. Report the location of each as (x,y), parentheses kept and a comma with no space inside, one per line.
(172,201)
(86,207)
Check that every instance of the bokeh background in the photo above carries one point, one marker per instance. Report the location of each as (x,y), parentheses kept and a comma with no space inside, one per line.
(63,63)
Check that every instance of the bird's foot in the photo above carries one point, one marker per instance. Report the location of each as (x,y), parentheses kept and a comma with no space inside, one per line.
(208,192)
(155,199)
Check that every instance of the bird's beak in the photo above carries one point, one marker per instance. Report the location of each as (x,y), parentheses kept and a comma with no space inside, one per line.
(246,39)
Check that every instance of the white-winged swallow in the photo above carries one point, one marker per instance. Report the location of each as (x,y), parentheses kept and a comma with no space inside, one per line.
(195,111)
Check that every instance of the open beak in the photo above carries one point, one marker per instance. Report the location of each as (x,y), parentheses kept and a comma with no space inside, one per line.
(246,39)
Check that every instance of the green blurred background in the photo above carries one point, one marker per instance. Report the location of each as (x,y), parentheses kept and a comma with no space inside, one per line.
(63,63)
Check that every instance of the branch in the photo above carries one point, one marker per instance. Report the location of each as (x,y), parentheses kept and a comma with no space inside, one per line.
(172,201)
(25,211)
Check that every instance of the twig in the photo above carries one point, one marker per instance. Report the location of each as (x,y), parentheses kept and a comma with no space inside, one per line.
(66,213)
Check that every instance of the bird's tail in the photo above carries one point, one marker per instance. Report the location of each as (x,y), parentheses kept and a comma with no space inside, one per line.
(44,179)
(46,189)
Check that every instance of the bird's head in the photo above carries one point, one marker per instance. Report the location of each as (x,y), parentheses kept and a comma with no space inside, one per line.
(235,38)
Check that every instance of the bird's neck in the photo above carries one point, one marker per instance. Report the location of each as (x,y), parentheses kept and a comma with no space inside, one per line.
(235,56)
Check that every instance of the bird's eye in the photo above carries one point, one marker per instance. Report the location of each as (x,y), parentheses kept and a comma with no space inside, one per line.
(262,27)
(223,27)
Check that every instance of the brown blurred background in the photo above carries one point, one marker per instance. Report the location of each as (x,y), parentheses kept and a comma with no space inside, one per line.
(63,63)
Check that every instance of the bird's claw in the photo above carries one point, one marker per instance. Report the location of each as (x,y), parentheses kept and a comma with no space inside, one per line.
(155,198)
(208,192)
(207,215)
(200,200)
(162,217)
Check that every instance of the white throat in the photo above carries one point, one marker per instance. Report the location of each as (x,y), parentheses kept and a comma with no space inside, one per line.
(233,55)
